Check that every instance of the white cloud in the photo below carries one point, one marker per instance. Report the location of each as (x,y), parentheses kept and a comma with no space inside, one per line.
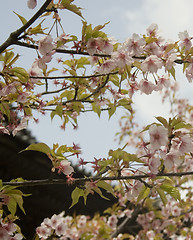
(172,16)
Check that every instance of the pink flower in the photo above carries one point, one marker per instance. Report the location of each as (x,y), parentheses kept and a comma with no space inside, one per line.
(4,234)
(185,144)
(22,125)
(23,97)
(107,66)
(43,231)
(185,40)
(170,159)
(4,130)
(45,45)
(162,82)
(65,167)
(152,30)
(146,86)
(151,64)
(158,136)
(31,4)
(135,45)
(112,221)
(108,47)
(150,235)
(60,229)
(154,164)
(189,72)
(94,45)
(175,211)
(122,57)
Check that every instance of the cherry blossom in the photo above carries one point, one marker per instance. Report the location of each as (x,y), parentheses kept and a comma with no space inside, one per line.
(65,167)
(31,3)
(151,64)
(122,57)
(135,45)
(45,45)
(158,136)
(185,40)
(154,164)
(146,86)
(189,72)
(94,45)
(185,144)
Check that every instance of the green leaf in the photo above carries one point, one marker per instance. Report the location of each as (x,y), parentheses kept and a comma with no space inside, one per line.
(143,194)
(172,72)
(8,57)
(23,20)
(21,73)
(162,195)
(71,7)
(59,110)
(12,206)
(163,121)
(182,125)
(96,108)
(106,186)
(111,110)
(172,191)
(97,190)
(76,194)
(40,147)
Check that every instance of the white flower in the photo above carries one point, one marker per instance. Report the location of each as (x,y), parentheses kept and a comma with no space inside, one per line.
(158,136)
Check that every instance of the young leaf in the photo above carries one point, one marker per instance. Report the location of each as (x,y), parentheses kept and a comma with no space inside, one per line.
(143,194)
(23,20)
(76,194)
(106,186)
(173,191)
(163,121)
(162,195)
(40,147)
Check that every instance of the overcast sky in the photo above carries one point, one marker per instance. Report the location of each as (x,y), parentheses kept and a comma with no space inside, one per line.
(126,17)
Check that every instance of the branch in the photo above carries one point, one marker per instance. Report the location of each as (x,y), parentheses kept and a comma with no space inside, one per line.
(60,50)
(126,221)
(88,179)
(79,76)
(79,52)
(14,35)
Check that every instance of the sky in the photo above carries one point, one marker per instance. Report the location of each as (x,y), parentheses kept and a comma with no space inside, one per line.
(96,136)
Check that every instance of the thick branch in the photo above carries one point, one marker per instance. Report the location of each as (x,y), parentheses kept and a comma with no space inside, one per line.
(88,179)
(14,35)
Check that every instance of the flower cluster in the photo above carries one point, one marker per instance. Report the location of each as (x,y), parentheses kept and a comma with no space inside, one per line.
(65,227)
